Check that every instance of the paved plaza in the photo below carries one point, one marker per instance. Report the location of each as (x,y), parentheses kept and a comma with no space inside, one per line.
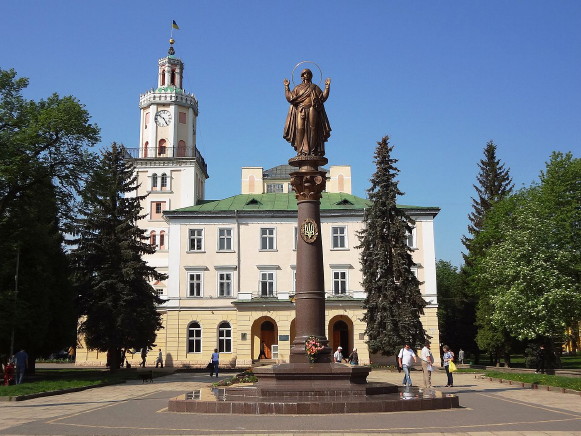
(135,408)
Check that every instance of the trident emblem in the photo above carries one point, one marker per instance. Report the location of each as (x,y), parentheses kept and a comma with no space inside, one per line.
(309,231)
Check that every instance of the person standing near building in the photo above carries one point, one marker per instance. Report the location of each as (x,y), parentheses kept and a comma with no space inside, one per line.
(461,356)
(353,357)
(540,355)
(338,355)
(159,360)
(215,361)
(21,359)
(143,356)
(405,357)
(448,357)
(427,361)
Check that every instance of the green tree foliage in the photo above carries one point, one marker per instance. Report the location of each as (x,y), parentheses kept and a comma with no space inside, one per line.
(38,308)
(39,141)
(43,162)
(116,301)
(394,302)
(494,184)
(530,273)
(455,309)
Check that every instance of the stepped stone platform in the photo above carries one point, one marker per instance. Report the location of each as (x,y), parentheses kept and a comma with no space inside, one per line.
(296,388)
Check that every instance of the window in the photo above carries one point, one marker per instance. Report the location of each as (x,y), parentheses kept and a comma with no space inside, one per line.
(159,292)
(162,240)
(274,188)
(411,238)
(154,182)
(164,182)
(224,338)
(196,240)
(296,238)
(339,237)
(157,208)
(224,284)
(194,338)
(267,284)
(153,239)
(224,239)
(267,239)
(161,147)
(339,282)
(182,118)
(195,284)
(294,281)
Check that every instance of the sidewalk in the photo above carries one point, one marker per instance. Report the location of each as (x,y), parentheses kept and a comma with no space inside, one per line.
(140,408)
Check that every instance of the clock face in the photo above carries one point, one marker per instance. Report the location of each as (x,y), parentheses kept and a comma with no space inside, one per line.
(163,118)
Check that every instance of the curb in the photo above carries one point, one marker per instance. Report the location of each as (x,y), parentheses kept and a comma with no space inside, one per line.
(59,392)
(530,385)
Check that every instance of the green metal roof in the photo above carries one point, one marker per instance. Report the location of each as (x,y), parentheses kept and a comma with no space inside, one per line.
(280,202)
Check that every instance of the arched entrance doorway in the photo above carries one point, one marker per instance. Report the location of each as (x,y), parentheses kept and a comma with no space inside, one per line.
(341,334)
(264,336)
(267,339)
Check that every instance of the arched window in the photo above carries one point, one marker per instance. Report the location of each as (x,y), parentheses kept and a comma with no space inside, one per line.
(162,240)
(153,239)
(164,182)
(181,147)
(154,182)
(145,148)
(224,337)
(194,337)
(161,148)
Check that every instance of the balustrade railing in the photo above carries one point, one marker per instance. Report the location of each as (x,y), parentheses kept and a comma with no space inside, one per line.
(166,152)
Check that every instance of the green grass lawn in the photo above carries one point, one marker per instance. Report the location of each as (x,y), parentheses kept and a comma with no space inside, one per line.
(518,361)
(540,379)
(46,380)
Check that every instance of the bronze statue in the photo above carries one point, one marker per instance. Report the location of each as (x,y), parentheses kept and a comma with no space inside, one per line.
(307,127)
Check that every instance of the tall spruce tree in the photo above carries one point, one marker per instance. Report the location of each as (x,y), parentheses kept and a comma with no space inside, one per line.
(116,302)
(494,184)
(394,303)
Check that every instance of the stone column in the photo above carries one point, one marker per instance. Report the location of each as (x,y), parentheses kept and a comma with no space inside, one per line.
(309,183)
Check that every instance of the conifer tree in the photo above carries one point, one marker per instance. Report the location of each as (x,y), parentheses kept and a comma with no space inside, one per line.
(393,303)
(494,184)
(117,304)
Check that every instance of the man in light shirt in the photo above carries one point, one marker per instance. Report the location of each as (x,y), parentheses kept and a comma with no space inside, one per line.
(427,362)
(405,356)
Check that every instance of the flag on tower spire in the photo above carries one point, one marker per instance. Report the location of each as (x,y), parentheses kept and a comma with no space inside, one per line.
(174,25)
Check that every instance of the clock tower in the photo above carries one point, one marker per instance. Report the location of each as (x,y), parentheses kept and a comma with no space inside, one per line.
(169,167)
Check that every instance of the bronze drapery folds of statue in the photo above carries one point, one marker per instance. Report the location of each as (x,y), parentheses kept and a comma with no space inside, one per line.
(307,127)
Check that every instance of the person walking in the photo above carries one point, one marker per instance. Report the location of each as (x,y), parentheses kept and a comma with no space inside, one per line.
(427,361)
(262,353)
(448,357)
(215,361)
(405,357)
(21,359)
(461,356)
(159,360)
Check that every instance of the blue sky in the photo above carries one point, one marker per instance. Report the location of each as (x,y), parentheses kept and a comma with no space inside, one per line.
(441,78)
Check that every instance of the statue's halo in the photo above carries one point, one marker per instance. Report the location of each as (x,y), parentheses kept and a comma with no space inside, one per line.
(307,62)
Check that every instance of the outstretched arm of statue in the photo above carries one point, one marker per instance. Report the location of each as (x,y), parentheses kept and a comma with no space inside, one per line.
(287,91)
(327,89)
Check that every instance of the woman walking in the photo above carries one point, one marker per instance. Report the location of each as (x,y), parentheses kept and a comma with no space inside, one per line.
(448,357)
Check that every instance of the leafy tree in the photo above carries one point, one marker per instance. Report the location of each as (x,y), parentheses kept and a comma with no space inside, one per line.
(530,272)
(456,308)
(394,302)
(37,299)
(116,301)
(40,140)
